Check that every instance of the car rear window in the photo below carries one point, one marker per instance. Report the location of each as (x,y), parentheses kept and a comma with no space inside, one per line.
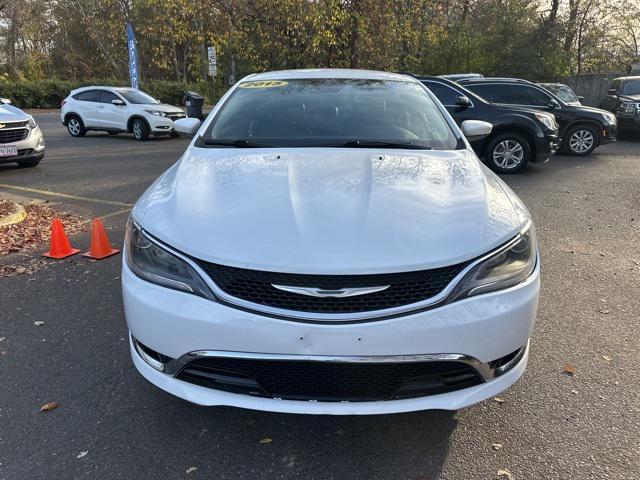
(88,96)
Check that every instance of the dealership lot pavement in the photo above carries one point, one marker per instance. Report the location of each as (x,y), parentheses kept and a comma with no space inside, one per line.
(113,424)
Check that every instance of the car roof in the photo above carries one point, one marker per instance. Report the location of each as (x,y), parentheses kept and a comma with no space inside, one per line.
(318,73)
(494,80)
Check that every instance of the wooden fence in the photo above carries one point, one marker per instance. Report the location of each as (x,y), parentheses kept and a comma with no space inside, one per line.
(591,86)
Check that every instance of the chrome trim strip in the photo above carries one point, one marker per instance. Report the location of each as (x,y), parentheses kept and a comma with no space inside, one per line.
(334,317)
(484,370)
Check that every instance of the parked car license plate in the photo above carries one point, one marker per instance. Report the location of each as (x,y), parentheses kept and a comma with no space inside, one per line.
(8,151)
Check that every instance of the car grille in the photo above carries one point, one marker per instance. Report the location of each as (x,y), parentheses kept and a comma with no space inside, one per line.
(328,380)
(404,288)
(176,116)
(11,132)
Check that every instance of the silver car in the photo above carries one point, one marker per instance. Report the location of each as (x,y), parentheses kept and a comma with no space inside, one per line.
(21,140)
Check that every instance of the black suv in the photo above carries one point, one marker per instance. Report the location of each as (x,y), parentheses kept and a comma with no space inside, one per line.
(582,128)
(623,99)
(519,135)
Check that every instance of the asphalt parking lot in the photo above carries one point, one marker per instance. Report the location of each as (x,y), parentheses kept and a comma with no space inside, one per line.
(113,424)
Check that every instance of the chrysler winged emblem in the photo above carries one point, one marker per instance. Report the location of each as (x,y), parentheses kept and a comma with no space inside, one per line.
(338,293)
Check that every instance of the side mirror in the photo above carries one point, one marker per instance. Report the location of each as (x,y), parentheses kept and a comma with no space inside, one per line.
(612,91)
(187,127)
(5,101)
(463,101)
(553,104)
(117,102)
(580,98)
(476,129)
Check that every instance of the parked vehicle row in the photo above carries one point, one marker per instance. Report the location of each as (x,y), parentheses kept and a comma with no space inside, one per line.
(519,135)
(582,129)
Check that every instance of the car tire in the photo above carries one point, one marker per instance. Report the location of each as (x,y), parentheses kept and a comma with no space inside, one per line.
(507,153)
(140,129)
(75,126)
(580,140)
(29,163)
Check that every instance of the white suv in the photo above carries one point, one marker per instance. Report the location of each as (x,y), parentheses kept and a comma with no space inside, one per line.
(116,110)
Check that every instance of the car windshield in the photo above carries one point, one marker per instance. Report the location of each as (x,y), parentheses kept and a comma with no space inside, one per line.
(137,97)
(563,92)
(330,113)
(631,87)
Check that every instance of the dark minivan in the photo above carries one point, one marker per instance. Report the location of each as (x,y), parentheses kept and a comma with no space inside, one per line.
(519,135)
(582,129)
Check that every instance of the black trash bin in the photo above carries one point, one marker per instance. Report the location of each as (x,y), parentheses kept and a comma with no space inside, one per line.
(193,102)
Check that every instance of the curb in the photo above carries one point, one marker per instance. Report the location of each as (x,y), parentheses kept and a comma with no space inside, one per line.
(18,215)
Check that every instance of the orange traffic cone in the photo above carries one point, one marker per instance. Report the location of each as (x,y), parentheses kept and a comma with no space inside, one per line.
(100,246)
(59,246)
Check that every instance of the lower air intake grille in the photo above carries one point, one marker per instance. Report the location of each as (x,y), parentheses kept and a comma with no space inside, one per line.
(329,381)
(404,288)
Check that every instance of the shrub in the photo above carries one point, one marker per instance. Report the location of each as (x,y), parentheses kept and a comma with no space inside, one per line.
(50,93)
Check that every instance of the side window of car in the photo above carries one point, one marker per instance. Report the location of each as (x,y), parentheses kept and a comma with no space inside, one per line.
(615,86)
(88,96)
(490,92)
(445,94)
(106,97)
(526,95)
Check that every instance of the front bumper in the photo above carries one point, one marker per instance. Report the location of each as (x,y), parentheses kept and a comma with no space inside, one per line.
(160,125)
(629,120)
(547,147)
(608,134)
(31,148)
(483,328)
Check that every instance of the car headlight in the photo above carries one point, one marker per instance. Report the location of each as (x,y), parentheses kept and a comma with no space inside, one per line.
(629,107)
(32,122)
(156,113)
(149,261)
(510,265)
(547,120)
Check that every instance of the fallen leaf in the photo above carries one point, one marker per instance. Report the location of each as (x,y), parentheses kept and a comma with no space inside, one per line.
(2,339)
(606,357)
(38,323)
(568,370)
(496,446)
(82,454)
(503,472)
(575,392)
(47,407)
(191,469)
(266,440)
(498,399)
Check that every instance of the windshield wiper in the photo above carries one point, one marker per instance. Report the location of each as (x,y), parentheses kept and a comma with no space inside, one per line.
(381,144)
(238,143)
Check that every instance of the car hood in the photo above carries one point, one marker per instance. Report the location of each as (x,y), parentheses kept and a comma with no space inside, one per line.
(330,210)
(9,113)
(163,107)
(630,98)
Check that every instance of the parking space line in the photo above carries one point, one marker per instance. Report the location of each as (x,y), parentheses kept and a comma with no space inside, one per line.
(109,215)
(65,195)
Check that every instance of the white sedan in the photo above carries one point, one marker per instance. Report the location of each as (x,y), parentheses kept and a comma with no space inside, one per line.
(330,244)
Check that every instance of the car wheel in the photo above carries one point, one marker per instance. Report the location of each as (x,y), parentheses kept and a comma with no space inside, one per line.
(29,163)
(75,127)
(140,129)
(508,153)
(581,140)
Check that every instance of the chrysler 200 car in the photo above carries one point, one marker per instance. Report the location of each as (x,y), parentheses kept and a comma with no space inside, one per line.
(329,243)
